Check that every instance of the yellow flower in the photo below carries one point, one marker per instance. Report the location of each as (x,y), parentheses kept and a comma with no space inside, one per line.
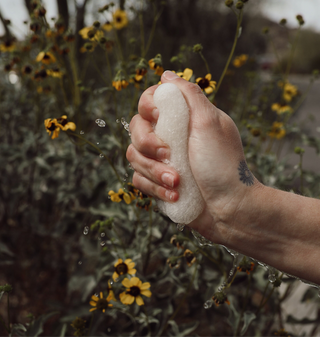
(123,267)
(156,65)
(7,46)
(140,72)
(186,74)
(144,202)
(289,91)
(120,84)
(206,84)
(40,75)
(190,258)
(52,126)
(277,130)
(64,124)
(245,266)
(239,61)
(99,303)
(111,296)
(45,58)
(120,19)
(107,26)
(135,288)
(91,33)
(55,72)
(281,108)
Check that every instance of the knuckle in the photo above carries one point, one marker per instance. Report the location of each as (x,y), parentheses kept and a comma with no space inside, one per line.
(130,152)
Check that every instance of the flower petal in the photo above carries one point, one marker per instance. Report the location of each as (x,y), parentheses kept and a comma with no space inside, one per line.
(95,298)
(127,283)
(135,281)
(132,271)
(92,309)
(139,300)
(94,304)
(119,260)
(146,293)
(145,285)
(208,90)
(208,77)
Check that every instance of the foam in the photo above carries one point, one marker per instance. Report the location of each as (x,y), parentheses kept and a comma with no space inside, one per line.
(173,128)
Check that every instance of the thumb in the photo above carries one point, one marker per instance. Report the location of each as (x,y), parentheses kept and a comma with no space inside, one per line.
(196,100)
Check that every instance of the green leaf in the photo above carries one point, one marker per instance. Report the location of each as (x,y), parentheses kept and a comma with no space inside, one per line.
(248,317)
(293,320)
(36,327)
(4,249)
(186,329)
(234,317)
(18,329)
(63,330)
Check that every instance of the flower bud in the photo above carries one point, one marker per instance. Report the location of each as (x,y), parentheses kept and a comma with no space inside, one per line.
(197,48)
(300,19)
(265,30)
(283,22)
(229,3)
(96,24)
(298,150)
(6,288)
(239,5)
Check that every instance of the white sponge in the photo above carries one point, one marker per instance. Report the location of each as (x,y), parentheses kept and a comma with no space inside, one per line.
(173,128)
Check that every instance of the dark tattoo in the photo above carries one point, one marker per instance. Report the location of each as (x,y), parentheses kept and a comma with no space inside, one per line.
(245,175)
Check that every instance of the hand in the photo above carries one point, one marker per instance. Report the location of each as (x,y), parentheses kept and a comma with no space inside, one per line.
(215,154)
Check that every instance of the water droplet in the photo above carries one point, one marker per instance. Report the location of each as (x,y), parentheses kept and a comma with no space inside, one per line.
(111,281)
(102,243)
(101,123)
(126,175)
(130,167)
(85,230)
(96,294)
(109,196)
(80,262)
(116,280)
(201,239)
(117,121)
(272,274)
(101,155)
(108,329)
(180,227)
(124,179)
(125,125)
(222,286)
(103,235)
(98,143)
(208,304)
(81,132)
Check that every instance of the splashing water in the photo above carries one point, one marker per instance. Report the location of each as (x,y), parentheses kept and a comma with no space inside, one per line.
(130,167)
(103,235)
(81,132)
(111,281)
(101,155)
(201,239)
(180,227)
(271,274)
(102,243)
(86,230)
(100,123)
(208,304)
(126,126)
(117,121)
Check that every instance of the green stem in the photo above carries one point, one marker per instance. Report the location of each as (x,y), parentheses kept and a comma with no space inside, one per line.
(239,20)
(205,62)
(8,310)
(4,324)
(147,317)
(149,242)
(153,29)
(142,30)
(90,326)
(292,53)
(96,148)
(182,301)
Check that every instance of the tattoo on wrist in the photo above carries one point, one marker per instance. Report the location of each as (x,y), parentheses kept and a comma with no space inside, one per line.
(245,175)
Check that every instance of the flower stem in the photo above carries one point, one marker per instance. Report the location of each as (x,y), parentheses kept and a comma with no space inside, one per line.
(149,242)
(205,62)
(239,20)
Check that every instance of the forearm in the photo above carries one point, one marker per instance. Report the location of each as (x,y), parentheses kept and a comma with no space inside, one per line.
(280,229)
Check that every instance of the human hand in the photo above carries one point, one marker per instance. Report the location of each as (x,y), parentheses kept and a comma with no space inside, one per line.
(215,154)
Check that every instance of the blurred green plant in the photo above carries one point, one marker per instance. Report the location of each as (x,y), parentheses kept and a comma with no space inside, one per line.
(80,244)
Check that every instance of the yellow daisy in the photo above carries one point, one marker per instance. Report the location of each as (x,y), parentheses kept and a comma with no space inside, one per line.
(206,84)
(107,26)
(135,288)
(277,130)
(91,33)
(51,125)
(186,74)
(7,46)
(64,124)
(281,108)
(156,65)
(190,258)
(119,85)
(123,267)
(45,57)
(55,72)
(99,303)
(120,19)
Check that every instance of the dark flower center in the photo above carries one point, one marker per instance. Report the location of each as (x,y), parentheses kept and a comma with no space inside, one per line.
(102,304)
(204,83)
(52,127)
(46,57)
(121,268)
(189,257)
(134,291)
(119,19)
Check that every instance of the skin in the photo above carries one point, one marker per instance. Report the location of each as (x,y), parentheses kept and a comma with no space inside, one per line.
(278,228)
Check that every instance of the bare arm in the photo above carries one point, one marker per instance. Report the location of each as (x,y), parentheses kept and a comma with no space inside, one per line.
(275,227)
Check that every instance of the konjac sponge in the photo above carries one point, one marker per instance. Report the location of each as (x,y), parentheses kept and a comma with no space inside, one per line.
(173,128)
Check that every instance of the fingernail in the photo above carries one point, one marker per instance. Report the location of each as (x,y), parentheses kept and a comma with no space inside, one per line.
(170,195)
(162,153)
(155,113)
(167,179)
(169,75)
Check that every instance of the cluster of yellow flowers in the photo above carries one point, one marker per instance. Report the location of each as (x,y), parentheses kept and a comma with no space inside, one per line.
(134,288)
(143,201)
(57,124)
(239,61)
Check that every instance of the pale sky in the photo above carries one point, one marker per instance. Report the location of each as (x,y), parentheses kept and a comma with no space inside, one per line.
(274,9)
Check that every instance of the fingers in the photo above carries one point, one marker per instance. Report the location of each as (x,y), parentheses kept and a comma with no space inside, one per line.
(145,141)
(155,171)
(146,107)
(150,188)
